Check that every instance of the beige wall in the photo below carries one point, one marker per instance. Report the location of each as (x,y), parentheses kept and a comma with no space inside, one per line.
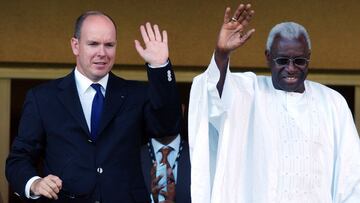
(39,31)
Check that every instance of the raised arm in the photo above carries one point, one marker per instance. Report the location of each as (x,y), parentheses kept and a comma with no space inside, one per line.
(163,112)
(232,35)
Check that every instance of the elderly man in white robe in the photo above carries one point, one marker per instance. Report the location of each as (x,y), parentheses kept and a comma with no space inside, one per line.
(260,139)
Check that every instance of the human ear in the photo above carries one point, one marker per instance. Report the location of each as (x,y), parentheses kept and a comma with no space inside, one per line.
(75,46)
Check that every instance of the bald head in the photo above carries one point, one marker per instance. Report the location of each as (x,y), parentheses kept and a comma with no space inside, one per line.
(80,21)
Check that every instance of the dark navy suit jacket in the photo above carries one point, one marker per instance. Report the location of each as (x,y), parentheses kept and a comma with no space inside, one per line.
(53,129)
(182,187)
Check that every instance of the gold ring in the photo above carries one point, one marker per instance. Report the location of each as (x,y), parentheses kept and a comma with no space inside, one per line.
(233,19)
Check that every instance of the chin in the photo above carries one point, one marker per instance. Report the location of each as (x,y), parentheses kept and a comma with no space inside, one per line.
(296,89)
(288,87)
(102,72)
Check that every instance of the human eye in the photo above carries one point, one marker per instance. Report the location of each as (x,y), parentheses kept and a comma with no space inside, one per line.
(92,43)
(282,61)
(110,45)
(300,61)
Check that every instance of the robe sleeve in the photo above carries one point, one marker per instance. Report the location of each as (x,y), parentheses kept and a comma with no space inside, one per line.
(198,140)
(205,114)
(347,165)
(211,130)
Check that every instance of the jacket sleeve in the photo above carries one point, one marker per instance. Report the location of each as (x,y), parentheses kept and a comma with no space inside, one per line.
(27,147)
(163,112)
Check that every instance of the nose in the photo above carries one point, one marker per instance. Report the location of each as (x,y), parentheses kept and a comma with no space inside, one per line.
(101,51)
(291,67)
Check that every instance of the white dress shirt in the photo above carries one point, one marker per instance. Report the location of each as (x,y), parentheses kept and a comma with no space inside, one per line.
(87,93)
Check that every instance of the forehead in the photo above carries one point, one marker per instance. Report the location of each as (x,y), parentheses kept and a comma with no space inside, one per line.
(290,47)
(98,26)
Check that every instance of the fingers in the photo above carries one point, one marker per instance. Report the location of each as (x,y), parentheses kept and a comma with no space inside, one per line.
(139,48)
(156,180)
(165,37)
(157,189)
(242,15)
(239,21)
(245,11)
(48,186)
(170,193)
(247,18)
(227,15)
(144,34)
(145,37)
(247,35)
(243,37)
(152,33)
(157,33)
(239,11)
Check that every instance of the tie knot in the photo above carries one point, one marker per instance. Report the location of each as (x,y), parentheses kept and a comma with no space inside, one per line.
(165,151)
(97,87)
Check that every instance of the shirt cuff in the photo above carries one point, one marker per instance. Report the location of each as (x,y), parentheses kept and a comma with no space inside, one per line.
(159,66)
(28,186)
(151,198)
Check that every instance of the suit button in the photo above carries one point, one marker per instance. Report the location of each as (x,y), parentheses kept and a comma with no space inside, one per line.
(169,75)
(100,170)
(97,201)
(90,140)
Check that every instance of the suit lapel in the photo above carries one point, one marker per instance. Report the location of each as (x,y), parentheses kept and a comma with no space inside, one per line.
(114,98)
(146,163)
(183,176)
(69,97)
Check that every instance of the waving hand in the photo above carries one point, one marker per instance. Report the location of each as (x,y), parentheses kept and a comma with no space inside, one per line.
(233,32)
(156,51)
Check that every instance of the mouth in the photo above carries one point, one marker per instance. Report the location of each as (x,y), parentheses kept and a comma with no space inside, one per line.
(100,63)
(290,78)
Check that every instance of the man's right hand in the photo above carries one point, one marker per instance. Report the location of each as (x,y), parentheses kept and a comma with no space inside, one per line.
(48,186)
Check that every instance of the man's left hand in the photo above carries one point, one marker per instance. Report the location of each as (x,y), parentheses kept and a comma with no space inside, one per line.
(156,51)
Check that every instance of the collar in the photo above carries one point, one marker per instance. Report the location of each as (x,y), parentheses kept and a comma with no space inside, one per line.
(83,83)
(175,144)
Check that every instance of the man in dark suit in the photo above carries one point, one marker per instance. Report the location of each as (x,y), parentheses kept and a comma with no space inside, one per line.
(178,188)
(86,128)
